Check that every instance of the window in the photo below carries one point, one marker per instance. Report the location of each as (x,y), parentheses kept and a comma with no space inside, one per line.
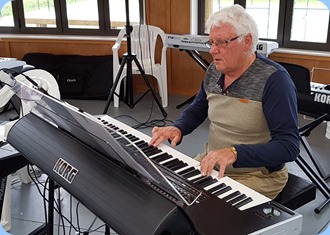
(81,17)
(39,14)
(266,14)
(6,16)
(301,24)
(310,21)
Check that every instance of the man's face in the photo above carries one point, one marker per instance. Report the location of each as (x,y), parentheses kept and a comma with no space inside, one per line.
(227,48)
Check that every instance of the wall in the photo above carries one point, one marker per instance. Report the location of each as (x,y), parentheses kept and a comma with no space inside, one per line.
(173,16)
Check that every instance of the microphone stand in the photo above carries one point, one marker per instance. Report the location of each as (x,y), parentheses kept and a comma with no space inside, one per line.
(127,59)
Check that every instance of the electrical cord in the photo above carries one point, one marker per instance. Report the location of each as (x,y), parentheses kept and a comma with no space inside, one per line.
(43,195)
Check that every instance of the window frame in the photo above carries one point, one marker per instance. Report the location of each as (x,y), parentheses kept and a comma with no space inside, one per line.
(62,21)
(284,27)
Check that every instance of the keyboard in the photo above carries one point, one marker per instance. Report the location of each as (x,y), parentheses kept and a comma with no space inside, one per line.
(224,188)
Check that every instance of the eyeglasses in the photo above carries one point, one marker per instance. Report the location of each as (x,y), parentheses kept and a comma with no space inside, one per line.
(220,43)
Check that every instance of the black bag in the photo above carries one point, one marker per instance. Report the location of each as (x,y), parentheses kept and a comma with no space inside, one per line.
(78,77)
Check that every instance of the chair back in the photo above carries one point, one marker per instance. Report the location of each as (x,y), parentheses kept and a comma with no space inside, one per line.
(145,45)
(300,76)
(143,42)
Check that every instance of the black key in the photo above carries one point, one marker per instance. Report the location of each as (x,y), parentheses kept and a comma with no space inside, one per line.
(171,162)
(179,166)
(186,170)
(198,178)
(237,199)
(174,164)
(123,132)
(216,188)
(162,157)
(205,182)
(243,202)
(144,146)
(141,143)
(151,151)
(223,190)
(191,174)
(132,137)
(232,195)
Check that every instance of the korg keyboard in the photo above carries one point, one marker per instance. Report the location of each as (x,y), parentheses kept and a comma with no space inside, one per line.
(110,168)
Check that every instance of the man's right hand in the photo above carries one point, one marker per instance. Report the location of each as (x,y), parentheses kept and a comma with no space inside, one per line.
(160,134)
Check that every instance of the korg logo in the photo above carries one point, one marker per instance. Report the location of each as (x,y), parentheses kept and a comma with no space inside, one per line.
(65,170)
(260,47)
(322,98)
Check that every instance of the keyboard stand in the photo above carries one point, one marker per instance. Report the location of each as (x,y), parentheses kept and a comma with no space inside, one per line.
(305,133)
(314,176)
(199,59)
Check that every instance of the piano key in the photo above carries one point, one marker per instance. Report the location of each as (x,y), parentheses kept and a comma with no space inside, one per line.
(161,157)
(195,179)
(237,199)
(223,190)
(215,188)
(186,170)
(171,162)
(204,183)
(231,195)
(179,166)
(151,151)
(191,174)
(240,205)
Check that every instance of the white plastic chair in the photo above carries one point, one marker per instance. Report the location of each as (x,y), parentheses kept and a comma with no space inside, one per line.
(143,43)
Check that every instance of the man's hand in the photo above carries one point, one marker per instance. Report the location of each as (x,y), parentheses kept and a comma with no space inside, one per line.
(223,157)
(160,134)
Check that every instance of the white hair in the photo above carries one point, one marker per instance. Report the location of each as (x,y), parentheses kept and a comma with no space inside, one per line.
(237,17)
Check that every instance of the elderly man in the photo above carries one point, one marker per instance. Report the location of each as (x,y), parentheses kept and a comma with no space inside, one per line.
(252,106)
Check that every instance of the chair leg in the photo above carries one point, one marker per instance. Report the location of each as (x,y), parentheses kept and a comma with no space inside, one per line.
(162,87)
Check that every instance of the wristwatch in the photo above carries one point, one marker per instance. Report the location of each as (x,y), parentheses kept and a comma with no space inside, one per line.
(234,151)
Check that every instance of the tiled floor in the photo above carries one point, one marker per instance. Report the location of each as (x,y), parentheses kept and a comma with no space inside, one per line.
(27,205)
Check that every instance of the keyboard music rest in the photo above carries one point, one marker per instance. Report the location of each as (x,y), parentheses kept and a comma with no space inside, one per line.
(128,205)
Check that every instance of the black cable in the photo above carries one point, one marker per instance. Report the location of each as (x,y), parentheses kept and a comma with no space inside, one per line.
(147,124)
(37,183)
